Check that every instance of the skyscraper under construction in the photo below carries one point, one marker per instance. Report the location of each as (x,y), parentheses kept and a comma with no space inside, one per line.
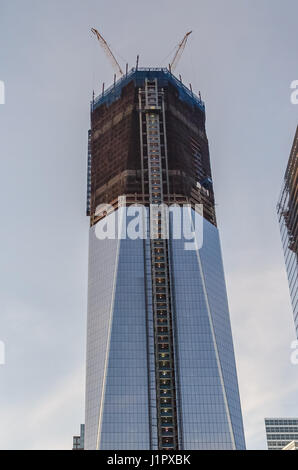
(287,209)
(161,370)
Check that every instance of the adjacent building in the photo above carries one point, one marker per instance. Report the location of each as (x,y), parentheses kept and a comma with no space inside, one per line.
(161,370)
(78,441)
(288,219)
(280,432)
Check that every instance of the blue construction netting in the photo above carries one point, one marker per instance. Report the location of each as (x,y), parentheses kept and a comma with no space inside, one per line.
(139,75)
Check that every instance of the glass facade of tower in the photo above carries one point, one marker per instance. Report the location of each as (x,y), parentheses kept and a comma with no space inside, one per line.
(209,397)
(288,220)
(161,370)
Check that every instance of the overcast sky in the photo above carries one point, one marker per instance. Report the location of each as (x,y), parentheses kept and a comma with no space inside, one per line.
(242,56)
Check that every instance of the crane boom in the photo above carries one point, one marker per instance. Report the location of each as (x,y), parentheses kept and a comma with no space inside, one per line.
(108,51)
(179,51)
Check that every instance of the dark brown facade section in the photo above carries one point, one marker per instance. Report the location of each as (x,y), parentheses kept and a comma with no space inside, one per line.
(188,155)
(116,151)
(115,156)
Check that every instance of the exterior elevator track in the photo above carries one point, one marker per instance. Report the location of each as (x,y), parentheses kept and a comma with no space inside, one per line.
(155,176)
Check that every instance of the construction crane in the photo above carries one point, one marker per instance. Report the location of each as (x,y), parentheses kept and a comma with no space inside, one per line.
(179,51)
(108,51)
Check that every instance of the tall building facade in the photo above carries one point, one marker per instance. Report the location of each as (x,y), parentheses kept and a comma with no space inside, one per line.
(160,370)
(288,219)
(280,432)
(78,441)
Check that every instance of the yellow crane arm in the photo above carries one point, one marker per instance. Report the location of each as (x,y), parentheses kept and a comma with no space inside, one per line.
(108,51)
(179,51)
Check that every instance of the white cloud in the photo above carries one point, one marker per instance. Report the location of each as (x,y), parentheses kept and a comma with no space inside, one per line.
(263,330)
(49,423)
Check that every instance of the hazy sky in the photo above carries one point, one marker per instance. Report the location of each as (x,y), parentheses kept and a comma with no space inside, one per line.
(242,56)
